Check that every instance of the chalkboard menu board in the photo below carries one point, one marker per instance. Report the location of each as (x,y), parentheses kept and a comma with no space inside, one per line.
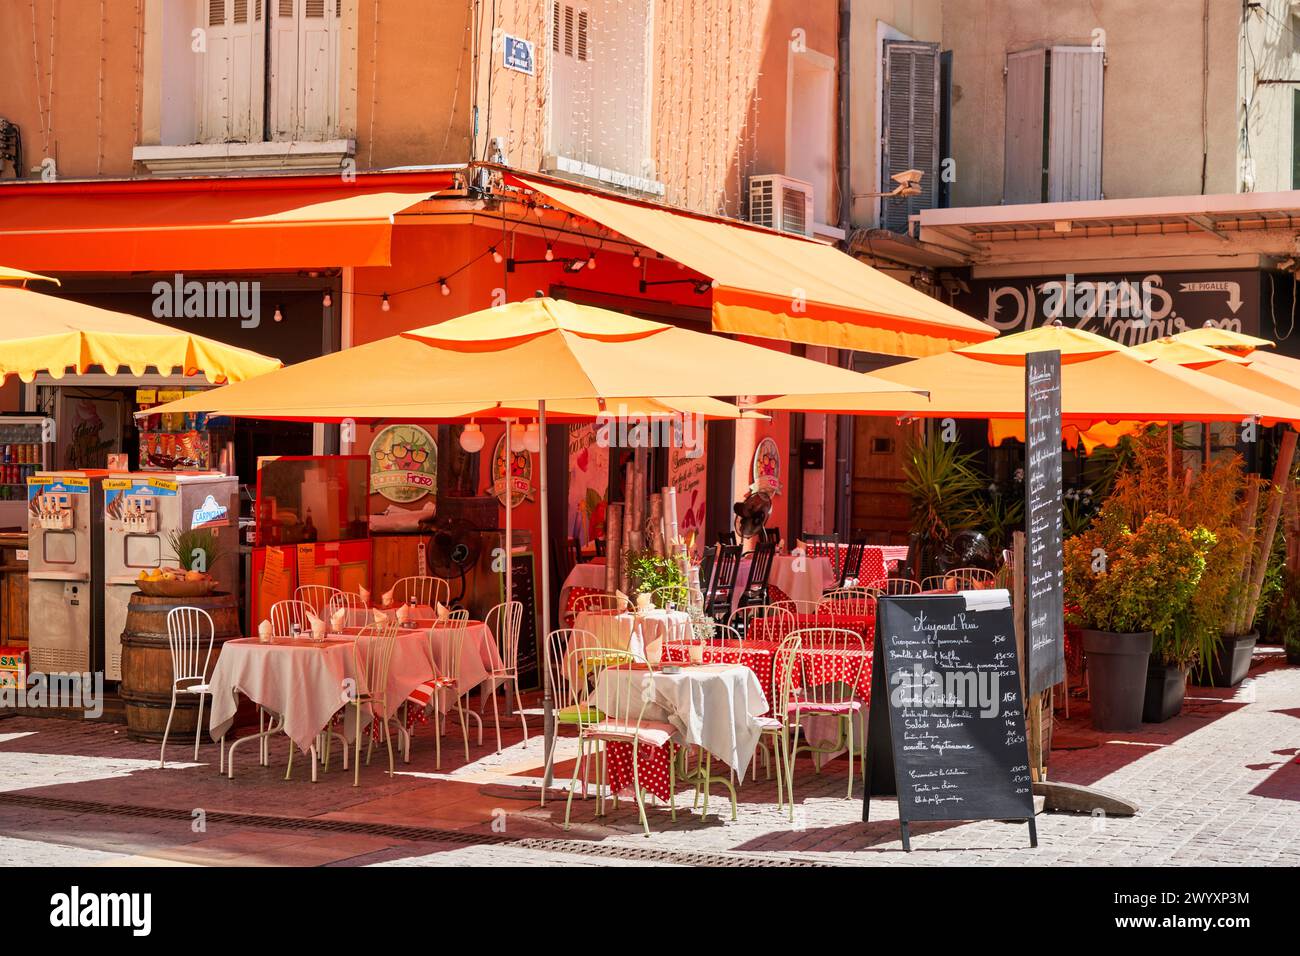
(946,729)
(1044,541)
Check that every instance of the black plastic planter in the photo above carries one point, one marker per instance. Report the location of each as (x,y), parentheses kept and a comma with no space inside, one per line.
(1117,677)
(1232,660)
(1166,688)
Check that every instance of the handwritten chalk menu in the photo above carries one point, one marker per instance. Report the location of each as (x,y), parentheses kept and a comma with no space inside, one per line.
(1044,541)
(951,741)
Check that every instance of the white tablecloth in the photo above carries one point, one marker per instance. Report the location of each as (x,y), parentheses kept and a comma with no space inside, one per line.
(816,575)
(308,682)
(589,575)
(642,633)
(713,706)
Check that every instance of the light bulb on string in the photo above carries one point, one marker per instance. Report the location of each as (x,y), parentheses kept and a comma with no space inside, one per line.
(591,261)
(383,303)
(533,438)
(550,253)
(327,300)
(636,259)
(446,289)
(496,256)
(279,316)
(472,438)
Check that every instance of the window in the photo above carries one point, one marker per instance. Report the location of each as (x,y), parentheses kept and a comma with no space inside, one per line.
(599,98)
(296,67)
(1053,125)
(1295,139)
(910,127)
(810,133)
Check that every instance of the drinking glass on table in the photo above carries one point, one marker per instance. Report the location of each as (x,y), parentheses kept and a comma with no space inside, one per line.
(696,652)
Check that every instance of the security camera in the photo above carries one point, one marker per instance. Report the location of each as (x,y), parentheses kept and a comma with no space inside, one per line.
(909,182)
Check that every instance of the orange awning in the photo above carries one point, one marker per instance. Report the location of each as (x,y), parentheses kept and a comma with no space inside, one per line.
(146,226)
(777,286)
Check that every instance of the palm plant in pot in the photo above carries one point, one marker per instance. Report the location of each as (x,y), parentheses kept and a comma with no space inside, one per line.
(1127,589)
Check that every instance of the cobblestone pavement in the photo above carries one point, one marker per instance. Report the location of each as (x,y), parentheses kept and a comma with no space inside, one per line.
(1219,785)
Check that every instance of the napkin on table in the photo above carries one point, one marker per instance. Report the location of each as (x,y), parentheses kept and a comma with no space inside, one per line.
(387,599)
(444,613)
(317,627)
(264,632)
(379,616)
(403,614)
(626,601)
(339,619)
(365,595)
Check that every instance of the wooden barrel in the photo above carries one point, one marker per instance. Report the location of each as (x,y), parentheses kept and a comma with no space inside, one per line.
(146,688)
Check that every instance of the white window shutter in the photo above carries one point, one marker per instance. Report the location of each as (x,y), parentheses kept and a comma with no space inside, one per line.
(1022,165)
(231,71)
(304,69)
(1074,130)
(910,137)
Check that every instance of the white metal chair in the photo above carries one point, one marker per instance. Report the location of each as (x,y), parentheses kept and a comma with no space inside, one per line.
(505,622)
(778,620)
(426,590)
(797,606)
(675,597)
(847,602)
(372,654)
(358,614)
(960,579)
(319,597)
(894,586)
(289,618)
(828,665)
(618,679)
(185,631)
(446,650)
(604,601)
(776,728)
(562,643)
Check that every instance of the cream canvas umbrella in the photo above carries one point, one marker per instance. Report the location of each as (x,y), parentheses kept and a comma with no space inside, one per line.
(541,351)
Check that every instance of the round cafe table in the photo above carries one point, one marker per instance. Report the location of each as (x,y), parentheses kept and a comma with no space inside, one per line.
(637,631)
(801,578)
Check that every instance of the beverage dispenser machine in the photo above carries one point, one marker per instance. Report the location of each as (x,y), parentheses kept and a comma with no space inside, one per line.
(65,571)
(145,516)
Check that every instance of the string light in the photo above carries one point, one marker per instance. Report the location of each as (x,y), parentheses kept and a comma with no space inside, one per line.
(279,316)
(496,256)
(550,252)
(383,303)
(591,261)
(472,438)
(326,300)
(446,289)
(636,260)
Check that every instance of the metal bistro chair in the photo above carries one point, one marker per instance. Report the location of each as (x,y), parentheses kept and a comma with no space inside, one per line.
(358,614)
(848,602)
(894,586)
(289,618)
(562,643)
(777,621)
(829,663)
(776,728)
(621,680)
(726,568)
(959,579)
(601,601)
(426,590)
(760,572)
(505,623)
(446,646)
(319,597)
(185,629)
(372,655)
(851,569)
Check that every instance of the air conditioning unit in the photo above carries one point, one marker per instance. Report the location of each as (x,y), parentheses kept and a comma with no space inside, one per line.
(781,203)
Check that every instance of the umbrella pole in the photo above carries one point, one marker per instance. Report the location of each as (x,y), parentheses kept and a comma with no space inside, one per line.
(548,704)
(510,501)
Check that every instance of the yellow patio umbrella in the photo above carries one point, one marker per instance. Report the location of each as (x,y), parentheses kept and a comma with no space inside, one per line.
(10,274)
(45,333)
(540,351)
(1185,352)
(1075,345)
(1222,339)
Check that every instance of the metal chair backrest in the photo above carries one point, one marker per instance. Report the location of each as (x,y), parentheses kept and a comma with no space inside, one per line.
(372,656)
(617,679)
(851,569)
(317,596)
(894,586)
(601,601)
(561,644)
(447,642)
(776,621)
(830,663)
(358,613)
(426,590)
(726,568)
(971,578)
(286,615)
(797,606)
(825,546)
(505,622)
(785,673)
(848,602)
(185,632)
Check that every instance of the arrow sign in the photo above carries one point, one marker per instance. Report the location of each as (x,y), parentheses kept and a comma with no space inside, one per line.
(1232,288)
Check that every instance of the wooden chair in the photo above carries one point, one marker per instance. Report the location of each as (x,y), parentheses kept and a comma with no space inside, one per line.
(760,571)
(851,569)
(718,600)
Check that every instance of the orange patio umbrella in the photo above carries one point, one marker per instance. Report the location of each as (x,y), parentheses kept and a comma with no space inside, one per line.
(538,352)
(45,333)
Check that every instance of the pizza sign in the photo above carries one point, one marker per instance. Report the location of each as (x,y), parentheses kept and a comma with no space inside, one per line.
(520,479)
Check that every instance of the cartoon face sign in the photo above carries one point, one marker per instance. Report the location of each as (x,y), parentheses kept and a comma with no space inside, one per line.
(403,463)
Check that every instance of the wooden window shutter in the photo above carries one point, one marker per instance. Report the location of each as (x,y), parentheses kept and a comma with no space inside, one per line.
(582,35)
(1074,124)
(1023,165)
(910,137)
(216,13)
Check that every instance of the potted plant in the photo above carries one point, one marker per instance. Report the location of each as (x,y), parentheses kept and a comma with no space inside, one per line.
(196,552)
(1124,587)
(944,487)
(647,572)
